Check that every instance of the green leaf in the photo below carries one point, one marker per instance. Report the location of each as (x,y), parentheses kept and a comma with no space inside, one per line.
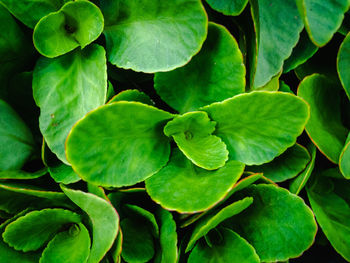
(299,182)
(81,74)
(259,126)
(228,7)
(71,246)
(277,26)
(272,85)
(215,74)
(343,64)
(144,35)
(116,249)
(192,133)
(285,88)
(138,244)
(63,174)
(32,231)
(183,187)
(322,18)
(77,23)
(211,221)
(324,127)
(19,174)
(332,212)
(232,248)
(99,145)
(286,166)
(344,159)
(29,12)
(16,140)
(132,95)
(104,218)
(278,224)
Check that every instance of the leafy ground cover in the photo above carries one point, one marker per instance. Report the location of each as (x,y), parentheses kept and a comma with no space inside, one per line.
(174,131)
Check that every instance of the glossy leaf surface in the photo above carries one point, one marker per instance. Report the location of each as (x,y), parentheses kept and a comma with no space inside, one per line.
(343,64)
(228,7)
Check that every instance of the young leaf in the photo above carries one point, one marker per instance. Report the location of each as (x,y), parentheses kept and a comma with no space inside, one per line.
(71,246)
(144,35)
(16,140)
(232,248)
(215,74)
(278,224)
(343,64)
(62,31)
(81,74)
(322,18)
(32,231)
(183,187)
(99,145)
(104,218)
(228,7)
(63,174)
(344,159)
(259,126)
(192,133)
(324,127)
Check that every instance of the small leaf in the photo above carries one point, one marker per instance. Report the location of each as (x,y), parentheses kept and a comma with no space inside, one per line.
(233,248)
(104,218)
(228,7)
(71,246)
(132,95)
(259,126)
(99,145)
(343,64)
(183,187)
(63,174)
(192,133)
(64,30)
(19,174)
(344,159)
(32,231)
(216,73)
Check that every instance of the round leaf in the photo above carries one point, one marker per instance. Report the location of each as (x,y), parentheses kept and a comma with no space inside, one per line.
(192,133)
(278,224)
(343,64)
(259,126)
(65,89)
(183,187)
(144,35)
(77,23)
(228,7)
(324,127)
(99,146)
(215,74)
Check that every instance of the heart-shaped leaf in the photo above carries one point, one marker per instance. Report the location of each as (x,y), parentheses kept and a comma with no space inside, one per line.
(63,174)
(343,64)
(192,133)
(99,145)
(31,231)
(278,224)
(81,74)
(325,127)
(215,74)
(104,218)
(70,246)
(344,159)
(228,7)
(64,30)
(143,38)
(259,126)
(183,187)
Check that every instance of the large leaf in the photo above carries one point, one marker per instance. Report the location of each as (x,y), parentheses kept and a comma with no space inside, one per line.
(277,25)
(286,166)
(192,133)
(211,221)
(104,218)
(278,224)
(228,7)
(71,246)
(183,187)
(81,75)
(153,36)
(109,144)
(344,159)
(16,140)
(259,126)
(343,64)
(232,248)
(62,31)
(324,127)
(322,18)
(29,12)
(215,74)
(33,230)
